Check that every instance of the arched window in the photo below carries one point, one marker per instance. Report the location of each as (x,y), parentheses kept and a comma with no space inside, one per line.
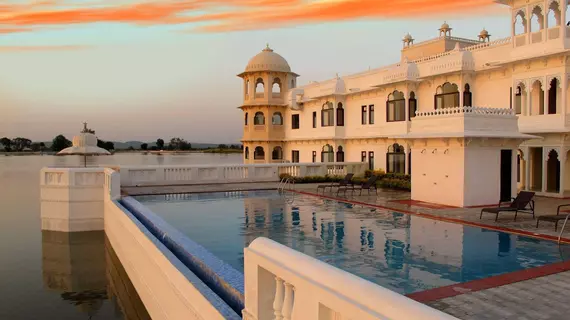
(246,118)
(259,119)
(259,88)
(536,19)
(396,107)
(246,152)
(412,104)
(467,97)
(327,115)
(292,83)
(396,159)
(554,14)
(340,154)
(276,89)
(446,96)
(277,153)
(340,115)
(277,119)
(520,23)
(520,98)
(536,98)
(553,96)
(327,154)
(247,86)
(259,153)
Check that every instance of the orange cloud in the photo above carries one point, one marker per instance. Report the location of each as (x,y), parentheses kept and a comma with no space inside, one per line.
(224,15)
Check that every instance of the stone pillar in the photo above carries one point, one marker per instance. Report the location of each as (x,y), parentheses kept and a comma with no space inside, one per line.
(527,168)
(561,107)
(72,199)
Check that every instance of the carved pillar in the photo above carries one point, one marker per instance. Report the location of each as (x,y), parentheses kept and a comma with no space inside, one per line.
(546,87)
(278,302)
(562,108)
(527,168)
(288,302)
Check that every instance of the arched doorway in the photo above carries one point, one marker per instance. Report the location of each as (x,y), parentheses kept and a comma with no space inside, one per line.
(327,154)
(340,155)
(536,98)
(553,172)
(396,159)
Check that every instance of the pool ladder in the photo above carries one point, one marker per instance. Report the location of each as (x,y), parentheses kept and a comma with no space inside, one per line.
(284,183)
(563,226)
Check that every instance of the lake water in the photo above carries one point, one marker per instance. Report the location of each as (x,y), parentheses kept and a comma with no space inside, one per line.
(54,275)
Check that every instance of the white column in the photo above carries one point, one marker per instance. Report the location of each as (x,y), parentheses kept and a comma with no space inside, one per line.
(288,302)
(278,302)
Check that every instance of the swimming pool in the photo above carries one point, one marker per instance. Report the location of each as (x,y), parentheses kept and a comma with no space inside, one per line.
(404,253)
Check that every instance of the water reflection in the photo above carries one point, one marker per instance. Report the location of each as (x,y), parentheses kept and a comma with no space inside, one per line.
(83,270)
(402,252)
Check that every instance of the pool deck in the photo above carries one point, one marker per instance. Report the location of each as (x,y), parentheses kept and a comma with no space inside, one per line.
(537,293)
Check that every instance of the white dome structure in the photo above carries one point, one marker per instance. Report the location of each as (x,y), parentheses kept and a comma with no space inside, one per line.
(84,144)
(268,60)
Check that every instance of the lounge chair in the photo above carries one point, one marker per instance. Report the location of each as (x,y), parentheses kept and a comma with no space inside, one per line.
(554,218)
(342,183)
(371,183)
(522,203)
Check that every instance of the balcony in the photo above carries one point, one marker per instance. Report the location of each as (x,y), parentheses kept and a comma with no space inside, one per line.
(553,33)
(464,122)
(542,123)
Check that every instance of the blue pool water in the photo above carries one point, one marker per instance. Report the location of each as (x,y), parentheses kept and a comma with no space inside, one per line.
(402,252)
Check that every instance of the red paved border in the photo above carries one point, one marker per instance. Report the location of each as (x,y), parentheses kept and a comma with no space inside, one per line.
(446,219)
(490,282)
(423,204)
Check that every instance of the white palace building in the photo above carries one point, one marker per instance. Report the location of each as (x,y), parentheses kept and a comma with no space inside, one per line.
(471,118)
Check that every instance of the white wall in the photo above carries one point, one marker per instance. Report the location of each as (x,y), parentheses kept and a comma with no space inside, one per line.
(438,175)
(166,292)
(483,175)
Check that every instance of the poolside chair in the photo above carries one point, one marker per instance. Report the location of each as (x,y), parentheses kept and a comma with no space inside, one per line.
(522,203)
(371,183)
(554,217)
(342,183)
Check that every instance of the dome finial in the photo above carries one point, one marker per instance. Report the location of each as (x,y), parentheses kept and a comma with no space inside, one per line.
(267,48)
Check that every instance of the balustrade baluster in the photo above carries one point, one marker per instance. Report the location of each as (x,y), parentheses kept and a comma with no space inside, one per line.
(288,302)
(278,302)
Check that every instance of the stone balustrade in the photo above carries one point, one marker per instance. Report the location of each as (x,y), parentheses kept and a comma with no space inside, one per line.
(186,175)
(467,110)
(284,284)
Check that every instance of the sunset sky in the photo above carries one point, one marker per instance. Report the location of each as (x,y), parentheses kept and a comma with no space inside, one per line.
(140,70)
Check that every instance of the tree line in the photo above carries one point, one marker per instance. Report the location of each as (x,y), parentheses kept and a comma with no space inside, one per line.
(60,142)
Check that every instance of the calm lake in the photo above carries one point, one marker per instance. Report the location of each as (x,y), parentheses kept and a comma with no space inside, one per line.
(56,275)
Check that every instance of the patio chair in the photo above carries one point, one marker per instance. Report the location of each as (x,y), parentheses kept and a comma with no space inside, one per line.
(342,183)
(554,217)
(371,183)
(522,203)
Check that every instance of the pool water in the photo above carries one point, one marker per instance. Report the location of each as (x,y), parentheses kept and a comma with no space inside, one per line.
(404,253)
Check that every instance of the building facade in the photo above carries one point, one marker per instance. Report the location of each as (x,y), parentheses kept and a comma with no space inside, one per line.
(366,116)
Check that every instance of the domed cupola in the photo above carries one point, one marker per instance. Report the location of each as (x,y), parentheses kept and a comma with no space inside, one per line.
(267,60)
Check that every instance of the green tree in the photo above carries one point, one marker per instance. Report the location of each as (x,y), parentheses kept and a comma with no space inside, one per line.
(109,145)
(35,146)
(59,143)
(159,144)
(19,144)
(144,146)
(222,146)
(42,146)
(7,143)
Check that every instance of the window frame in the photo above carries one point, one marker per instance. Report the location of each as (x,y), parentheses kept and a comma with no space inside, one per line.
(393,104)
(363,115)
(295,124)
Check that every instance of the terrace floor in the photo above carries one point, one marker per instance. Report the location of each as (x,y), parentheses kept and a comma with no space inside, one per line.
(538,293)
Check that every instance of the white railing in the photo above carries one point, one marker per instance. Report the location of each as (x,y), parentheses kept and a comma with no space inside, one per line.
(470,110)
(281,283)
(186,175)
(494,43)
